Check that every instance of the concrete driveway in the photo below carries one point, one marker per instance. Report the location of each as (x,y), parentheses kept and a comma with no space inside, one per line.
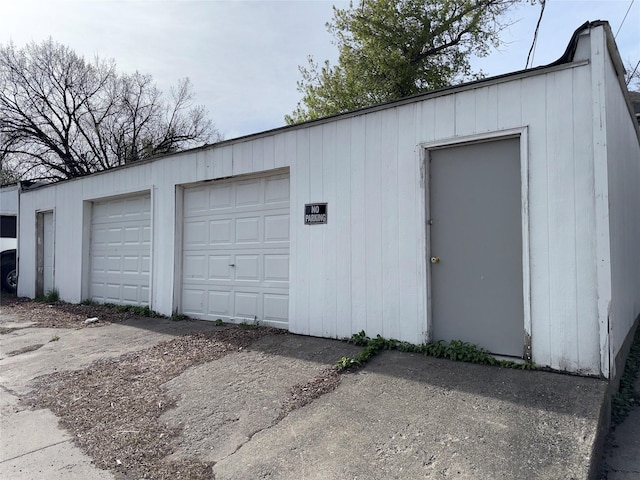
(401,416)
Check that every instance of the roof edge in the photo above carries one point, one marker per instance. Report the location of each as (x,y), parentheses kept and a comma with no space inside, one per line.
(564,61)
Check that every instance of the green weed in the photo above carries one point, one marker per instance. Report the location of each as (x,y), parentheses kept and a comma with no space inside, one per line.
(254,324)
(51,296)
(455,350)
(138,310)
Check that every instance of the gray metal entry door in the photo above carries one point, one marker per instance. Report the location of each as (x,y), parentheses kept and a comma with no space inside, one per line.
(45,239)
(476,245)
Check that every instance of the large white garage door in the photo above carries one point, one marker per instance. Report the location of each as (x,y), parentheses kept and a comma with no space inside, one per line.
(236,251)
(121,250)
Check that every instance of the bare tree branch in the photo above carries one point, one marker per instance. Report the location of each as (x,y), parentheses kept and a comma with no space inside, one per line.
(63,117)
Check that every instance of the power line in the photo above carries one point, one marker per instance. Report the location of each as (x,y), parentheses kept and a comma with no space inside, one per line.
(535,35)
(625,17)
(633,73)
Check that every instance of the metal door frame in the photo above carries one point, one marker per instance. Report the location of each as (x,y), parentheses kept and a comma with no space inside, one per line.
(40,248)
(425,149)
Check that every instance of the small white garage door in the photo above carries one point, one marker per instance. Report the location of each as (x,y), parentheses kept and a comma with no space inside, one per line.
(120,250)
(236,251)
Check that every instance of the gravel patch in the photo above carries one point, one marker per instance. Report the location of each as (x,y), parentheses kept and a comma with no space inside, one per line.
(113,407)
(60,314)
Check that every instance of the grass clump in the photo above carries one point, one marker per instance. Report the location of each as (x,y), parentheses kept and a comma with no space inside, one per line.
(178,317)
(138,310)
(51,296)
(245,324)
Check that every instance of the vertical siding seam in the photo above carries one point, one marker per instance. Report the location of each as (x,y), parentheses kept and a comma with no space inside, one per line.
(381,160)
(548,216)
(308,285)
(348,230)
(397,250)
(364,227)
(575,222)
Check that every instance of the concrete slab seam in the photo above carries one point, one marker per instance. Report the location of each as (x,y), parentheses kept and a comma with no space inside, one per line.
(34,451)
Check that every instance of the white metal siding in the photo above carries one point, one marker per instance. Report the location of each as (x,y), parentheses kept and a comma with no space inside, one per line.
(120,251)
(623,176)
(236,251)
(9,200)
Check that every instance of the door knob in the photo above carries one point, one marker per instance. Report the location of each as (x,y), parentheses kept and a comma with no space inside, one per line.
(435,259)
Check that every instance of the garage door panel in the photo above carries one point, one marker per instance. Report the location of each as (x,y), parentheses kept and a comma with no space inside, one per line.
(146,236)
(99,236)
(144,294)
(146,264)
(277,190)
(195,233)
(113,292)
(130,293)
(101,212)
(114,210)
(133,235)
(114,264)
(248,228)
(195,267)
(221,231)
(137,208)
(247,267)
(131,209)
(120,250)
(220,198)
(276,228)
(220,267)
(276,268)
(248,193)
(219,303)
(276,308)
(196,200)
(246,304)
(193,301)
(114,236)
(132,264)
(98,264)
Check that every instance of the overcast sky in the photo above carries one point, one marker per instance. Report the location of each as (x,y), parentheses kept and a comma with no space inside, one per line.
(242,57)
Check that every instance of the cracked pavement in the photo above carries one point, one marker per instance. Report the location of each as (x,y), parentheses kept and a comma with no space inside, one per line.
(401,416)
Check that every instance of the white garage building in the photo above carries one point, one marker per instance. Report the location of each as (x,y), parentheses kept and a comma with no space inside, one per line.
(502,212)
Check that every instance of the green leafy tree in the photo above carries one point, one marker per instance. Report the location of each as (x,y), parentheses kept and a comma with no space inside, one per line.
(389,49)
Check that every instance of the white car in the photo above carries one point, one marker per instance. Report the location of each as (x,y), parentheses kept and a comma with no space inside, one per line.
(9,196)
(8,245)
